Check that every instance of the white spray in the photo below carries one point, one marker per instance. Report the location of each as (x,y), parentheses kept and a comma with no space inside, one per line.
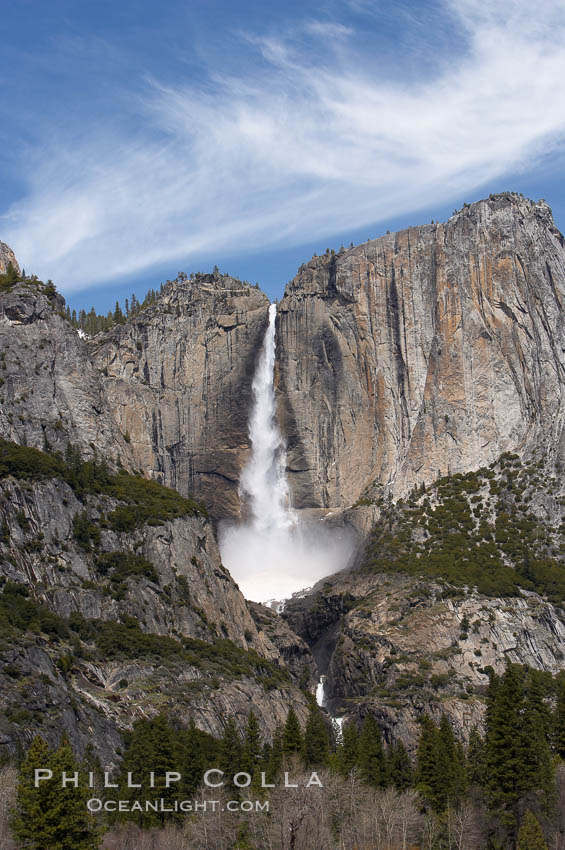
(274,555)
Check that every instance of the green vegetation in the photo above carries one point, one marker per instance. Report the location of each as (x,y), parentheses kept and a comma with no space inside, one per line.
(520,732)
(19,613)
(316,737)
(85,532)
(29,464)
(164,747)
(11,278)
(530,836)
(108,639)
(506,777)
(475,530)
(52,816)
(93,322)
(146,502)
(440,765)
(511,764)
(122,565)
(372,763)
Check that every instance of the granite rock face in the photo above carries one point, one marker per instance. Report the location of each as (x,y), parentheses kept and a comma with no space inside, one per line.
(190,596)
(178,380)
(294,651)
(7,256)
(202,600)
(398,647)
(423,352)
(200,345)
(51,393)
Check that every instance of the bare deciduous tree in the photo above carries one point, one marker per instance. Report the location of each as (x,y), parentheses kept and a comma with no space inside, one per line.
(8,781)
(466,826)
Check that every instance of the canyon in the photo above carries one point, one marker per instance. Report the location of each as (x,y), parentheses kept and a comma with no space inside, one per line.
(417,356)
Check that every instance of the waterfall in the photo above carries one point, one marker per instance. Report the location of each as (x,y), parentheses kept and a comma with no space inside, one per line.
(337,722)
(274,554)
(321,691)
(263,482)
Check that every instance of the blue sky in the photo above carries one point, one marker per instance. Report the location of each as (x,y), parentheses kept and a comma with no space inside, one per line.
(140,139)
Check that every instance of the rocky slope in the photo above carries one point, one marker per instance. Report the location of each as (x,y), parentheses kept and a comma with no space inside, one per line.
(459,578)
(125,617)
(430,350)
(403,647)
(178,380)
(114,603)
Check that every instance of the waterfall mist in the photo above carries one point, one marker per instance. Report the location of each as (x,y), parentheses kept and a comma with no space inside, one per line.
(274,554)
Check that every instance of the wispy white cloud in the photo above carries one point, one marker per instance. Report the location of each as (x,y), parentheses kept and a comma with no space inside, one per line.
(295,148)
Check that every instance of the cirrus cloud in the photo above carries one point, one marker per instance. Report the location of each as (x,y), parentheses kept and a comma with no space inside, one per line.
(300,144)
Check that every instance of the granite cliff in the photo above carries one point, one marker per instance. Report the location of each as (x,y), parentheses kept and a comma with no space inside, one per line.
(51,392)
(423,352)
(178,380)
(427,353)
(107,616)
(114,603)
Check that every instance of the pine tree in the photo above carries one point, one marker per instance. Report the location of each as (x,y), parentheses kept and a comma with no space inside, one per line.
(231,753)
(347,752)
(450,767)
(165,757)
(118,315)
(316,738)
(538,770)
(73,827)
(193,764)
(10,277)
(426,759)
(151,747)
(505,700)
(251,755)
(371,757)
(530,835)
(53,817)
(399,767)
(476,759)
(276,754)
(559,717)
(29,823)
(198,753)
(292,736)
(517,749)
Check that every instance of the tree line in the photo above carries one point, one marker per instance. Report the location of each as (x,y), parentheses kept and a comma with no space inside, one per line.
(92,322)
(508,776)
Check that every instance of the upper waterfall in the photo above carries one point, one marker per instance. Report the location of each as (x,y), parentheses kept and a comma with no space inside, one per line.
(274,554)
(263,482)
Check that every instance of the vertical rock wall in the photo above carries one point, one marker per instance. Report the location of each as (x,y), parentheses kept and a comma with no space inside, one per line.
(430,350)
(178,379)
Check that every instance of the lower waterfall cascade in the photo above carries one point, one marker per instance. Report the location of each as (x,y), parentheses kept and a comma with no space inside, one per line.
(274,554)
(337,722)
